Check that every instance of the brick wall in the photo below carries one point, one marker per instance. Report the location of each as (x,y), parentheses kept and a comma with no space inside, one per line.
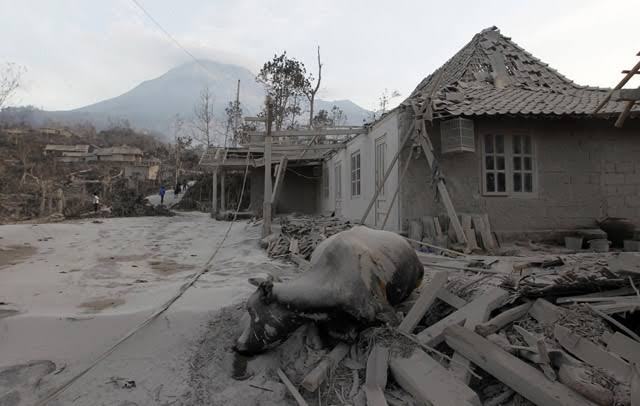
(586,169)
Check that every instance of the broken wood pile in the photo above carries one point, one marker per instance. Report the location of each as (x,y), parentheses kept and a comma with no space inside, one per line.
(554,331)
(300,235)
(438,231)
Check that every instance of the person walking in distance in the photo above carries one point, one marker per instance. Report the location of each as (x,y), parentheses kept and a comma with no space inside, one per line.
(96,202)
(162,192)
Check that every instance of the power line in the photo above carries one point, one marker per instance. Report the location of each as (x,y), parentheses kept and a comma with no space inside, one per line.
(173,39)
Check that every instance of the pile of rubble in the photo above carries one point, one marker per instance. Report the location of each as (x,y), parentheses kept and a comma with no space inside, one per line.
(549,330)
(300,235)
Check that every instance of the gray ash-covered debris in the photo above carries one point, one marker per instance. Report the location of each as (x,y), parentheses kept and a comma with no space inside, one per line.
(546,329)
(127,203)
(300,235)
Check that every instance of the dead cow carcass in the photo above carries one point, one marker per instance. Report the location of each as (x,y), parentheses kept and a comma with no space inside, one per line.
(355,278)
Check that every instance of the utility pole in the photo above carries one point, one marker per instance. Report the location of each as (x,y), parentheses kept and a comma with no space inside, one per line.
(266,206)
(236,111)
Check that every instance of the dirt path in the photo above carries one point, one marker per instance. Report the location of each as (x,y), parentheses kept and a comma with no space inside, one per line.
(87,284)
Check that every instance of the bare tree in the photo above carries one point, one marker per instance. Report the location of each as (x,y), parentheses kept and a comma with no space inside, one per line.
(204,120)
(310,91)
(385,99)
(10,75)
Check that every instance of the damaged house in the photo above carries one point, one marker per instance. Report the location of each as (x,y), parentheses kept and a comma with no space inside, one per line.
(511,137)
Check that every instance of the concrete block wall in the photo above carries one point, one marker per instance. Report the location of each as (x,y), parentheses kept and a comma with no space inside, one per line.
(586,169)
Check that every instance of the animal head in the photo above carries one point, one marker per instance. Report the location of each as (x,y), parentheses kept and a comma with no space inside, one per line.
(267,323)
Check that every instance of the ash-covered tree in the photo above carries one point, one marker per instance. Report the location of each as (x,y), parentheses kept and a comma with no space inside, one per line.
(285,80)
(334,118)
(10,75)
(204,119)
(233,133)
(385,98)
(337,116)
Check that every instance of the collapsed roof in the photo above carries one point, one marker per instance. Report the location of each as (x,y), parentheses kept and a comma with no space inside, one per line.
(492,75)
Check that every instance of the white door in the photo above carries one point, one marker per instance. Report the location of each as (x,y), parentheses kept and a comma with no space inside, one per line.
(337,181)
(380,167)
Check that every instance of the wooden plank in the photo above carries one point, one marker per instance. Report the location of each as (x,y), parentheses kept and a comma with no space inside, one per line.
(429,382)
(223,203)
(460,366)
(591,353)
(518,375)
(425,300)
(625,347)
(286,148)
(214,193)
(487,239)
(606,293)
(503,319)
(545,312)
(472,242)
(376,378)
(451,299)
(292,389)
(314,379)
(434,334)
(313,132)
(282,169)
(425,143)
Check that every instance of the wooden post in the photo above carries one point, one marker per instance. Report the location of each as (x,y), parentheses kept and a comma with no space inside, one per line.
(282,168)
(223,206)
(214,192)
(379,187)
(266,205)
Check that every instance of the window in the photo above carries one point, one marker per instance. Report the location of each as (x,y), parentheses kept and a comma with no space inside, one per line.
(355,174)
(508,164)
(338,180)
(325,181)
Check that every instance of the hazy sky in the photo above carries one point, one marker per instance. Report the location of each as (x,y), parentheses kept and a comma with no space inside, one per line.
(81,51)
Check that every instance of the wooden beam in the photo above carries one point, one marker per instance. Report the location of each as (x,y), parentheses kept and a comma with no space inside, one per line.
(591,353)
(426,298)
(451,299)
(395,193)
(503,319)
(297,147)
(625,347)
(313,132)
(376,379)
(635,385)
(545,312)
(292,389)
(434,334)
(423,140)
(282,168)
(518,375)
(623,82)
(625,113)
(429,382)
(379,187)
(266,205)
(314,379)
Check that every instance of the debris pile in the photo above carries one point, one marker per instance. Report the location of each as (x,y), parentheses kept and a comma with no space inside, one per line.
(300,235)
(127,203)
(549,330)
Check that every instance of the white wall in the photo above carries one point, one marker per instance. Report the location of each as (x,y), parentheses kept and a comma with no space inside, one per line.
(353,208)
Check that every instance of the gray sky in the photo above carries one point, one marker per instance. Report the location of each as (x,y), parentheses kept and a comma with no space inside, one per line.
(81,51)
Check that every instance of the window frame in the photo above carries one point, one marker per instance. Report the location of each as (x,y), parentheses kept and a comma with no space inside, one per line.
(509,155)
(379,163)
(355,174)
